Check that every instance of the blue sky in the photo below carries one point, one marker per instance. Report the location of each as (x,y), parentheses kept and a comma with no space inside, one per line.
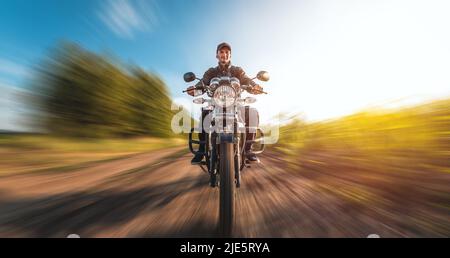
(31,28)
(326,58)
(155,35)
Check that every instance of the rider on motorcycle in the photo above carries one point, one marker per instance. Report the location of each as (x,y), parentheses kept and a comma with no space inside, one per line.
(223,54)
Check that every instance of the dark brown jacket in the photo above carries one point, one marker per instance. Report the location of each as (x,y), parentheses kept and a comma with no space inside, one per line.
(226,70)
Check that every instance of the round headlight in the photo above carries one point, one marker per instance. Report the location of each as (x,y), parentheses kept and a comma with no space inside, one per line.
(214,82)
(224,96)
(235,83)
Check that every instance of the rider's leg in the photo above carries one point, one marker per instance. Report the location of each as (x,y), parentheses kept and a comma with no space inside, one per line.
(201,136)
(251,123)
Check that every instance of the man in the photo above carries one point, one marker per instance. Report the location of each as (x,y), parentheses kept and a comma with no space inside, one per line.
(223,55)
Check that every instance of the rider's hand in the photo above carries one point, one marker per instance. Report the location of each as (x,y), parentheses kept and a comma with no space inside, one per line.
(191,90)
(256,89)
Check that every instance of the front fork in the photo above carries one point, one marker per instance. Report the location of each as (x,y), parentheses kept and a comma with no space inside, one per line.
(213,161)
(237,161)
(211,151)
(224,138)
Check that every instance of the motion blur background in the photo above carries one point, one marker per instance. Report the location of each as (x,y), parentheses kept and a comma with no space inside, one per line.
(360,90)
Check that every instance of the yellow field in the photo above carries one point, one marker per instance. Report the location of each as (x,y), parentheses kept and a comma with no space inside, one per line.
(25,153)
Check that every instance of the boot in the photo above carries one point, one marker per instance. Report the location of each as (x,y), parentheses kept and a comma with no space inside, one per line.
(197,159)
(248,148)
(252,157)
(199,156)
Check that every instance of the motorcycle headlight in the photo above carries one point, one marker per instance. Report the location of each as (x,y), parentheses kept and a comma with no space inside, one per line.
(224,96)
(235,83)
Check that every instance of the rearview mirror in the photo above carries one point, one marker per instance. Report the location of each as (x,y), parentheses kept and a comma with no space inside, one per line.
(263,76)
(189,77)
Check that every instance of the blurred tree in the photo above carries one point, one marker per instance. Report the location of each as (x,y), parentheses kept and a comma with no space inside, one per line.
(87,95)
(151,104)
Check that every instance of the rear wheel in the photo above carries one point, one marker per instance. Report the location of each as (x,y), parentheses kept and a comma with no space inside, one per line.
(227,189)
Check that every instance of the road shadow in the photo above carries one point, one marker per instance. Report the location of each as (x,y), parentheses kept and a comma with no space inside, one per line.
(62,214)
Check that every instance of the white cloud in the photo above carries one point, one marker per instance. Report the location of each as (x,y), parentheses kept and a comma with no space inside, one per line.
(10,68)
(126,17)
(12,109)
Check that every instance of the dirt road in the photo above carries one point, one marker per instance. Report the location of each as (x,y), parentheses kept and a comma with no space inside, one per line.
(160,194)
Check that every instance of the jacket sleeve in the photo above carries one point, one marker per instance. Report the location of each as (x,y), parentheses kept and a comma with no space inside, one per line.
(243,78)
(209,74)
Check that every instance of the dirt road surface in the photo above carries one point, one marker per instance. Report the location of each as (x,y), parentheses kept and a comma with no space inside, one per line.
(159,194)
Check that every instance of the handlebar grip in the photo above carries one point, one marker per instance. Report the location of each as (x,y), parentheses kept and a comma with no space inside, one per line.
(245,87)
(195,88)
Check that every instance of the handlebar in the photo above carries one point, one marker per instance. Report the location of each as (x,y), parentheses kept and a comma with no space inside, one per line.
(195,88)
(245,87)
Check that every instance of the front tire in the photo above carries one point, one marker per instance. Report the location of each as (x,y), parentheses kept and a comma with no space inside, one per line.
(227,189)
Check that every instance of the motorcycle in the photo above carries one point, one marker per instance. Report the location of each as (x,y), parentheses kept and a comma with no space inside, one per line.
(225,140)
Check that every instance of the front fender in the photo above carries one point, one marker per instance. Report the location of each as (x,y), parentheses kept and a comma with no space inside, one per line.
(225,138)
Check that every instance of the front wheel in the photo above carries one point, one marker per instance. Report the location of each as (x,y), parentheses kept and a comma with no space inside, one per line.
(227,189)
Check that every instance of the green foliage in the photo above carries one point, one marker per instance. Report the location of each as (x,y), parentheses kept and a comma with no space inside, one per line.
(84,94)
(416,134)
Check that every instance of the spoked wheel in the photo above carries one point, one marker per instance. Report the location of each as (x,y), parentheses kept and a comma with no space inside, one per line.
(227,189)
